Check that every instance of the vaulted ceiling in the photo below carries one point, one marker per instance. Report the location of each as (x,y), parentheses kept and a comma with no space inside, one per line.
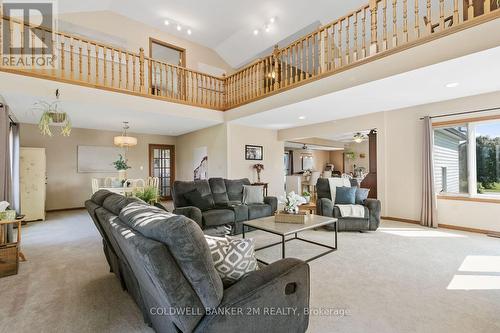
(226,26)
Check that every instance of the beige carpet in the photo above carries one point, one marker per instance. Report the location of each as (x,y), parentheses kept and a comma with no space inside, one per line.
(402,278)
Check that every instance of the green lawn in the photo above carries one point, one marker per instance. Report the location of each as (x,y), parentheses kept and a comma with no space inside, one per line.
(495,189)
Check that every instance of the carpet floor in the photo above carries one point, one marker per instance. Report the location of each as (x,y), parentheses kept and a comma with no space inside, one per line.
(401,278)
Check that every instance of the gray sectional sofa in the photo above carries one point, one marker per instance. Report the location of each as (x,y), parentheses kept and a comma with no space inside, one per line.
(325,207)
(164,262)
(227,210)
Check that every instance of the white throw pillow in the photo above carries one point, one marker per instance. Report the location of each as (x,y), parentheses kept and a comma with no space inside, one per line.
(253,194)
(233,257)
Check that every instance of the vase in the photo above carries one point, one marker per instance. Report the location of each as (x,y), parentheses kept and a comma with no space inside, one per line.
(258,176)
(122,174)
(307,198)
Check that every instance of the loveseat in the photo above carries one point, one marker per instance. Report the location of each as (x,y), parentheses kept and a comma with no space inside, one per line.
(228,208)
(164,262)
(325,207)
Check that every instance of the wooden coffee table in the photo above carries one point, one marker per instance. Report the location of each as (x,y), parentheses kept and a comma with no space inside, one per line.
(285,229)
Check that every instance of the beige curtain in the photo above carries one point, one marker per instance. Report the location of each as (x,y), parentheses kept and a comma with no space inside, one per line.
(428,215)
(5,165)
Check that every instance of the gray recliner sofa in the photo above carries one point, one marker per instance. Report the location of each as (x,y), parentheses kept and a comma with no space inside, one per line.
(325,207)
(165,263)
(228,208)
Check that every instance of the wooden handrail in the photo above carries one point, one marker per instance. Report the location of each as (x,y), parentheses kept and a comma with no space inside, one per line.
(372,29)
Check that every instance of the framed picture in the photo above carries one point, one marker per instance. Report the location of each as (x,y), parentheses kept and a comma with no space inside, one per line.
(254,153)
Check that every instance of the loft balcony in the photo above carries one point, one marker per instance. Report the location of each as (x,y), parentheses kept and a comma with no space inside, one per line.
(375,30)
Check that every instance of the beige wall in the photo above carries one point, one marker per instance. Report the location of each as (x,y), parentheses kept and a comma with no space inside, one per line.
(337,159)
(320,159)
(215,139)
(132,35)
(273,159)
(66,188)
(399,150)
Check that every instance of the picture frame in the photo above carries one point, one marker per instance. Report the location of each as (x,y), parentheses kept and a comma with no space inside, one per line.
(254,153)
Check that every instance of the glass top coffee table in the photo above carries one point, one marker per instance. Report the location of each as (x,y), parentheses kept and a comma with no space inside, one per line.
(285,229)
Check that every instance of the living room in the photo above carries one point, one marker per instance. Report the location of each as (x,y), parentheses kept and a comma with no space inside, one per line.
(243,167)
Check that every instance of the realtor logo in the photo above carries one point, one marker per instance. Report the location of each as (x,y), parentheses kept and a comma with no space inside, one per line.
(28,34)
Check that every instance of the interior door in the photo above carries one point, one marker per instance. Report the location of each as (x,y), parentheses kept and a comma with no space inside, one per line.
(162,165)
(32,179)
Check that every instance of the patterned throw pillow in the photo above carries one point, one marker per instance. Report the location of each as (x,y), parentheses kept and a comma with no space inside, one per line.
(233,257)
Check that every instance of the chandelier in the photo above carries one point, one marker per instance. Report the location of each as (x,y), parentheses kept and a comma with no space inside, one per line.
(124,140)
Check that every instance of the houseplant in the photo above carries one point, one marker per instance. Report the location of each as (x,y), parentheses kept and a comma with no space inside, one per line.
(292,202)
(258,167)
(122,167)
(148,194)
(51,115)
(307,196)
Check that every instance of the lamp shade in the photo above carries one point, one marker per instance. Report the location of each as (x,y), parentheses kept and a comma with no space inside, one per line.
(125,141)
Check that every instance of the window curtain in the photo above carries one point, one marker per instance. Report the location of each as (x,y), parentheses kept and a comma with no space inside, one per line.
(428,215)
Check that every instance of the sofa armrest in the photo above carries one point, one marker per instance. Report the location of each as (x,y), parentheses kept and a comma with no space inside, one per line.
(194,213)
(273,202)
(324,207)
(252,300)
(374,207)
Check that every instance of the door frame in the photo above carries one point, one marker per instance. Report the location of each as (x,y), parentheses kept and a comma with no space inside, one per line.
(152,146)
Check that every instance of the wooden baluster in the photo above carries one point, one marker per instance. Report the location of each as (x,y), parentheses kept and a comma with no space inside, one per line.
(456,16)
(363,33)
(43,49)
(96,49)
(126,70)
(160,88)
(405,21)
(417,20)
(71,58)
(333,48)
(374,36)
(192,87)
(394,24)
(441,14)
(384,24)
(80,64)
(32,48)
(347,41)
(141,70)
(62,58)
(88,62)
(429,17)
(302,67)
(307,56)
(325,61)
(296,69)
(119,68)
(112,67)
(133,71)
(355,49)
(486,6)
(105,67)
(313,53)
(339,43)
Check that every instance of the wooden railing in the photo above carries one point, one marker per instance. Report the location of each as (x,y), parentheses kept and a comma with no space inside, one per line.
(373,29)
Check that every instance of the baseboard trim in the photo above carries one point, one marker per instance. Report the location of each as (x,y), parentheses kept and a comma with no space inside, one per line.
(399,219)
(63,209)
(490,233)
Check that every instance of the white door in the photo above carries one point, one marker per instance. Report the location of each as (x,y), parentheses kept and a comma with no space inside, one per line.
(32,177)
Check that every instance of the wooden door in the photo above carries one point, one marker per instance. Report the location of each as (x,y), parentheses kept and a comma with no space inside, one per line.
(32,178)
(162,165)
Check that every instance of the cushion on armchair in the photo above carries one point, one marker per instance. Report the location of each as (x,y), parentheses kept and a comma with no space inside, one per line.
(345,195)
(361,195)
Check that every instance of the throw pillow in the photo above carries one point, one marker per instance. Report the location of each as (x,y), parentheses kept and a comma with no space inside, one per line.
(253,194)
(345,195)
(194,198)
(233,257)
(361,195)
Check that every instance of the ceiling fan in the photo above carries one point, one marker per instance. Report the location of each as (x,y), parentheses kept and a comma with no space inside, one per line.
(358,137)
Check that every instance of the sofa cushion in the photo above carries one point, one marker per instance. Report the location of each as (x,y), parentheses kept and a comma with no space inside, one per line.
(253,194)
(181,187)
(219,192)
(345,195)
(194,198)
(233,257)
(185,240)
(115,202)
(214,217)
(235,188)
(99,196)
(361,195)
(256,211)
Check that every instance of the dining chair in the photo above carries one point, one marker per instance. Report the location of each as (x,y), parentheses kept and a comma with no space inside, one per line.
(312,182)
(95,185)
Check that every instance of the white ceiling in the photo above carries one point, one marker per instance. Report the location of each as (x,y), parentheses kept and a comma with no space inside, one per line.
(225,26)
(476,73)
(297,145)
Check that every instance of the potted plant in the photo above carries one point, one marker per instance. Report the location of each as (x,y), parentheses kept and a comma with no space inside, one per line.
(51,115)
(122,167)
(307,196)
(258,167)
(148,194)
(292,202)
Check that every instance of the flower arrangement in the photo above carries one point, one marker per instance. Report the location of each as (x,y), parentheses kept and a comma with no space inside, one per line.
(121,163)
(292,202)
(258,167)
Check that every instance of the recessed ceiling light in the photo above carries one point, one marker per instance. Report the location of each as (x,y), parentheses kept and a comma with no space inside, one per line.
(302,117)
(272,19)
(452,85)
(267,28)
(166,22)
(189,31)
(256,32)
(179,28)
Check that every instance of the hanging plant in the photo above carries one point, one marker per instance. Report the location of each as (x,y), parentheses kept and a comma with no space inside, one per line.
(52,116)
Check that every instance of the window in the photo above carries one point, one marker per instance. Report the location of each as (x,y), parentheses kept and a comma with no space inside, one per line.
(467,158)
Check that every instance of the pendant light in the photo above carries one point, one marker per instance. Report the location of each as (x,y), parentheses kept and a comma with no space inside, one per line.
(124,140)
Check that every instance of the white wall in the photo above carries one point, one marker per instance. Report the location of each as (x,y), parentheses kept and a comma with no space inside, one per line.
(358,149)
(399,150)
